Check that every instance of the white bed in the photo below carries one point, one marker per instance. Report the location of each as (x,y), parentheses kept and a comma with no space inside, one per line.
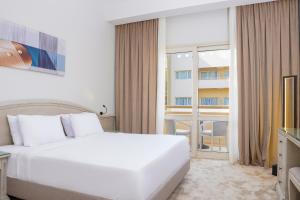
(111,165)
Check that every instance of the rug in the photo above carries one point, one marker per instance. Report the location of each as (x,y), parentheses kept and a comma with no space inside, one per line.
(220,180)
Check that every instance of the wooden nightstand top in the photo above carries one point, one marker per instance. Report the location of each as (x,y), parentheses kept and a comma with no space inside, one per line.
(4,154)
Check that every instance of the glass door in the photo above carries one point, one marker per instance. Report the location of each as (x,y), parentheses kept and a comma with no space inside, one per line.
(213,96)
(197,97)
(179,94)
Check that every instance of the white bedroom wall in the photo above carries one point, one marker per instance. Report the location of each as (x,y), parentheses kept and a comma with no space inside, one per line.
(89,77)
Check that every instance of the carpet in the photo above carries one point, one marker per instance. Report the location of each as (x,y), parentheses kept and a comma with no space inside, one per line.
(220,180)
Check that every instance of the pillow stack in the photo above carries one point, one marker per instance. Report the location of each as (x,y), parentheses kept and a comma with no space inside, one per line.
(33,130)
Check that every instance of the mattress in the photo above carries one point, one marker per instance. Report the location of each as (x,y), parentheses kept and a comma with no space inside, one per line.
(114,166)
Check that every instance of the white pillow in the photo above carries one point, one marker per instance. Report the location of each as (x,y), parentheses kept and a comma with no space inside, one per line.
(85,124)
(15,130)
(66,122)
(38,129)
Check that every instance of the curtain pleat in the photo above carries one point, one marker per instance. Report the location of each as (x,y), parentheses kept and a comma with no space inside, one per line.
(267,49)
(136,76)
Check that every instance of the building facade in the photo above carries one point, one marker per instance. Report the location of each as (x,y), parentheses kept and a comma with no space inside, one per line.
(213,76)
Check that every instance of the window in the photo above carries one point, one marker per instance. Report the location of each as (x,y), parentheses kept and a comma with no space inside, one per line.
(209,101)
(212,75)
(226,101)
(226,75)
(214,101)
(186,74)
(183,101)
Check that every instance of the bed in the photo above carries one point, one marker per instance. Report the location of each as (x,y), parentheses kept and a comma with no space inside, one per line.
(107,166)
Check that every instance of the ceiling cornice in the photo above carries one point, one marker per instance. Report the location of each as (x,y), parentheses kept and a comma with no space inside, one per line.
(201,7)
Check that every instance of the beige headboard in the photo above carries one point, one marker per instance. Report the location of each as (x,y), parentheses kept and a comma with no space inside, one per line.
(30,107)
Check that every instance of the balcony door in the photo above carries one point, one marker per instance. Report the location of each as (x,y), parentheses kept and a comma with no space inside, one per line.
(197,96)
(179,94)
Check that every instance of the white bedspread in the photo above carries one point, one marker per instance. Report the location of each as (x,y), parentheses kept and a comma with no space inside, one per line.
(114,166)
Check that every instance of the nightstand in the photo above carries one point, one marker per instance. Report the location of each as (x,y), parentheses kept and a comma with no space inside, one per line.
(108,122)
(3,168)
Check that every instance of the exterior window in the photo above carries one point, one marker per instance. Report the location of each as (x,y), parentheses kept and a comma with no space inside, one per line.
(226,101)
(183,101)
(186,74)
(209,101)
(212,75)
(226,75)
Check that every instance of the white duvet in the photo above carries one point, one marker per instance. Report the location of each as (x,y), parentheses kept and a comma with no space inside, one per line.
(113,166)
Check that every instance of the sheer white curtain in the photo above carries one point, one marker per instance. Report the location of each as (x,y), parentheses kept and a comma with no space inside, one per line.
(160,109)
(233,91)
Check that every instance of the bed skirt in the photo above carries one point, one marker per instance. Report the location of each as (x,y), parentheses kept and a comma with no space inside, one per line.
(33,191)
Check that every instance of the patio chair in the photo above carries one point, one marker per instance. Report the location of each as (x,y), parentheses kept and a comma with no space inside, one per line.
(171,128)
(214,129)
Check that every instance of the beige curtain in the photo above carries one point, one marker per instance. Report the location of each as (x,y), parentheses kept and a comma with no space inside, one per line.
(267,49)
(136,76)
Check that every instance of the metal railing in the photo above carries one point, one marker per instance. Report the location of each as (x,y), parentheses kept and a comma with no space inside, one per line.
(203,109)
(200,106)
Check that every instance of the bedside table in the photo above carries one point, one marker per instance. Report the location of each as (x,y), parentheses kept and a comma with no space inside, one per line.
(3,168)
(108,122)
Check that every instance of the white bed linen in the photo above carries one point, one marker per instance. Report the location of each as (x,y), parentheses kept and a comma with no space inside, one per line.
(114,166)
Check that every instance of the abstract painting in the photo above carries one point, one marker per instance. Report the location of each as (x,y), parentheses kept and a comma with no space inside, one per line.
(24,48)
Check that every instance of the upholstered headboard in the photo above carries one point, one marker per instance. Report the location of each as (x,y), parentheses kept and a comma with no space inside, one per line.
(32,107)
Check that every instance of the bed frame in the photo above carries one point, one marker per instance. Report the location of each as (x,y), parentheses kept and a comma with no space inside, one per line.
(32,191)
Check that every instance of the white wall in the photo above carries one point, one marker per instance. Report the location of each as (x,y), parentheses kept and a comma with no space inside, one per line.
(89,77)
(201,28)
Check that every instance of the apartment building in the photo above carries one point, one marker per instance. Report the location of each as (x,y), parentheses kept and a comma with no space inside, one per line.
(213,75)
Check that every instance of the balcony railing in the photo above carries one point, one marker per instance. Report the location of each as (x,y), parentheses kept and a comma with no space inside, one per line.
(218,83)
(203,109)
(213,122)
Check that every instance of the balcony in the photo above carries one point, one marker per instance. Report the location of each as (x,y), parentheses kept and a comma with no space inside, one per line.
(219,83)
(212,127)
(205,112)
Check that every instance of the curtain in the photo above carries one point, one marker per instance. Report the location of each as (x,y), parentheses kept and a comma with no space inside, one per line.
(267,49)
(233,111)
(136,76)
